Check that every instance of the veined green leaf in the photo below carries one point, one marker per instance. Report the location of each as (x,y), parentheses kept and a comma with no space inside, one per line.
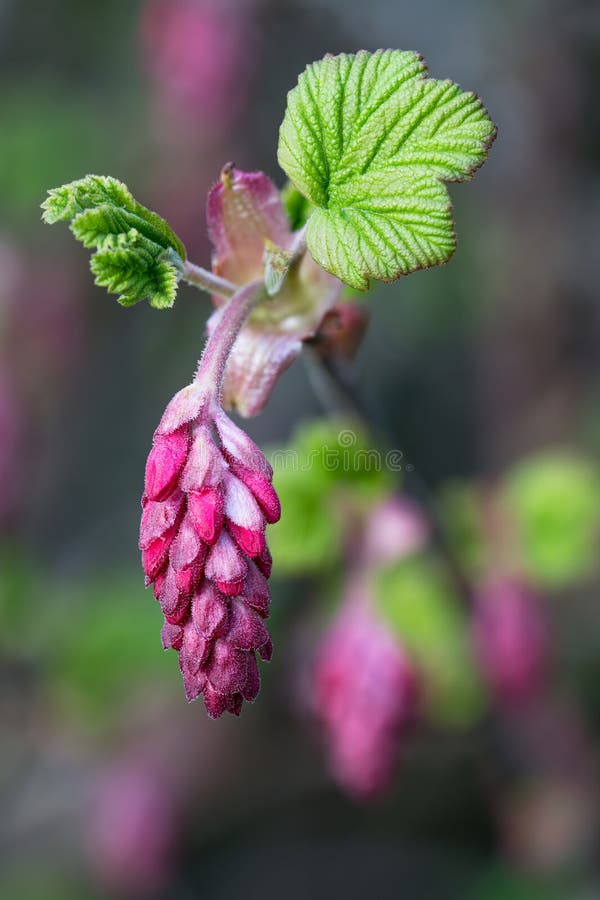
(106,195)
(369,139)
(138,255)
(134,275)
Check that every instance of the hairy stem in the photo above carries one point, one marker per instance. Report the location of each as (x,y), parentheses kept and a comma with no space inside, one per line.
(207,281)
(211,368)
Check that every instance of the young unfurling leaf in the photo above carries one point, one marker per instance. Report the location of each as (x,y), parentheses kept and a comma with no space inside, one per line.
(137,253)
(369,139)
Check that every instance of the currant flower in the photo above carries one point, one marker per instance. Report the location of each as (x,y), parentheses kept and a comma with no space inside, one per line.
(365,691)
(511,639)
(208,497)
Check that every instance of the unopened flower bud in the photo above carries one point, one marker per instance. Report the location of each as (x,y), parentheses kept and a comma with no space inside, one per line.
(208,498)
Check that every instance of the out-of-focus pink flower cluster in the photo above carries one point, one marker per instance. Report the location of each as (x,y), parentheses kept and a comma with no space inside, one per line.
(365,690)
(201,54)
(365,686)
(206,505)
(511,639)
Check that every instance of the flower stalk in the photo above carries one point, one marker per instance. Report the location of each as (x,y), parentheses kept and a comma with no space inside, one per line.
(211,367)
(207,281)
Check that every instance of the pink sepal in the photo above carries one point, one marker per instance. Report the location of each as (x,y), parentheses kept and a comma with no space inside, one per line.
(165,462)
(206,510)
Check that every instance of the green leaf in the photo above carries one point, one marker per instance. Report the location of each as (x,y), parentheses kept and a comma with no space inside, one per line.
(368,139)
(130,269)
(328,475)
(97,659)
(417,601)
(297,207)
(138,255)
(554,500)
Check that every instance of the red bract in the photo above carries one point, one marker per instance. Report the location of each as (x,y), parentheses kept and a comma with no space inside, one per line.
(511,639)
(365,692)
(244,211)
(208,497)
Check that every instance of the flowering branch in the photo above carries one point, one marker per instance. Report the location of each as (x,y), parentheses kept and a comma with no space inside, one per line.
(374,206)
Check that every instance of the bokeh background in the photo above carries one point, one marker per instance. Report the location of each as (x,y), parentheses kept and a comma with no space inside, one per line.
(484,372)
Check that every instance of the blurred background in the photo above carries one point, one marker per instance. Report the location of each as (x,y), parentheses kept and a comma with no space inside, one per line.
(484,373)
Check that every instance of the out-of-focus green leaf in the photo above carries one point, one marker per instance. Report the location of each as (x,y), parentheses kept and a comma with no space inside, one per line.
(459,513)
(501,883)
(416,599)
(109,645)
(328,474)
(47,134)
(555,500)
(20,585)
(296,206)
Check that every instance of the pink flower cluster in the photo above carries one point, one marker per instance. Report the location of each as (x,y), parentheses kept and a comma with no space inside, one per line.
(365,692)
(511,639)
(208,497)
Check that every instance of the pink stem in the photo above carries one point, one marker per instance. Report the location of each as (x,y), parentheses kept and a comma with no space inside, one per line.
(211,368)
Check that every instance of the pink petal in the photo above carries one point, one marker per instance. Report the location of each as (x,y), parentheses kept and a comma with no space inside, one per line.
(186,547)
(265,562)
(227,668)
(154,557)
(194,650)
(237,445)
(257,360)
(265,651)
(165,462)
(225,564)
(209,611)
(173,602)
(262,489)
(252,686)
(234,704)
(252,543)
(188,579)
(171,636)
(194,684)
(215,703)
(243,210)
(159,583)
(158,517)
(240,505)
(183,408)
(247,630)
(204,463)
(206,511)
(256,590)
